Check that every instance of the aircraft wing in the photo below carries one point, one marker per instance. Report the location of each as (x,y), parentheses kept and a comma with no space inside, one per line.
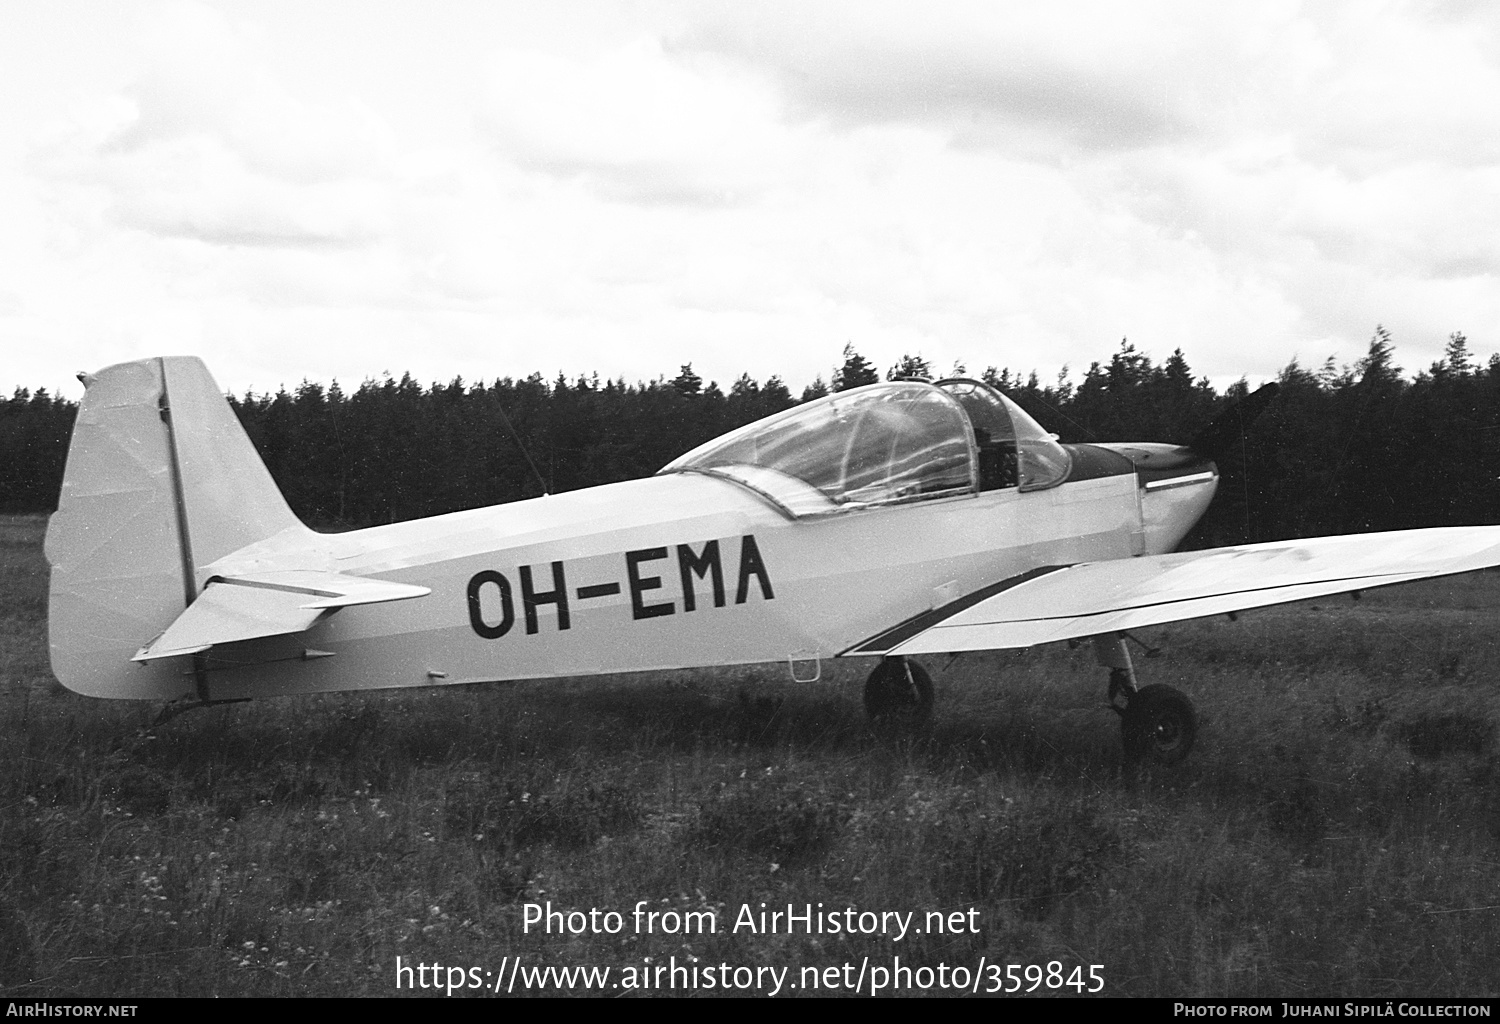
(267,604)
(1067,601)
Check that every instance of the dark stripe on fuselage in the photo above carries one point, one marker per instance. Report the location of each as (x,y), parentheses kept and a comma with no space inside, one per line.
(1090,462)
(1149,462)
(882,642)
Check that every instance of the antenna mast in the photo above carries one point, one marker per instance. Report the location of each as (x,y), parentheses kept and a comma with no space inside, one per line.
(515,436)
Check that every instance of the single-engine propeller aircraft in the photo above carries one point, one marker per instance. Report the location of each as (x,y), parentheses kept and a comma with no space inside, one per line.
(883,522)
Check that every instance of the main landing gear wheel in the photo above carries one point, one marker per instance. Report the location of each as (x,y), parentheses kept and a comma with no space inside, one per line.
(898,695)
(1158,725)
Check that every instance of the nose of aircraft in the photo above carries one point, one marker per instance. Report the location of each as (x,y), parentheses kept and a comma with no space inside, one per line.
(1177,482)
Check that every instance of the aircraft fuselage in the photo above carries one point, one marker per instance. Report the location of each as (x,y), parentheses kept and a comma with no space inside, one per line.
(672,571)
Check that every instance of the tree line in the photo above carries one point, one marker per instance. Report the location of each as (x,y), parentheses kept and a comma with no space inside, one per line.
(1341,449)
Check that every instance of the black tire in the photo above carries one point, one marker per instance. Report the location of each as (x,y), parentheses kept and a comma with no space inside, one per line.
(1159,725)
(898,694)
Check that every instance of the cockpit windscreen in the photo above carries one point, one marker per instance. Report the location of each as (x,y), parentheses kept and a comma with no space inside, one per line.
(876,445)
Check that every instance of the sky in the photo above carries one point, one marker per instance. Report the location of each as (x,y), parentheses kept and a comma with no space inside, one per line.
(331,190)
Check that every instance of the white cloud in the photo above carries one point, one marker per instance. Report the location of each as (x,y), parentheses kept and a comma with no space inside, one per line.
(206,145)
(642,123)
(206,75)
(748,187)
(197,188)
(1009,76)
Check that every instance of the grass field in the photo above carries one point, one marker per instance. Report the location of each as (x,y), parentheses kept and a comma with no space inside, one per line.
(1336,831)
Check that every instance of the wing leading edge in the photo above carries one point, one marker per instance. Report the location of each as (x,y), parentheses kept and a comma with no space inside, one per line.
(1065,602)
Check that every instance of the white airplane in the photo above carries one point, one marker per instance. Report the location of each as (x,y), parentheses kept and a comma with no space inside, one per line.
(882,522)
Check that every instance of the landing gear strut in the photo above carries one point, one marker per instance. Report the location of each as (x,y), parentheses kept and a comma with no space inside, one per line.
(1157,722)
(898,694)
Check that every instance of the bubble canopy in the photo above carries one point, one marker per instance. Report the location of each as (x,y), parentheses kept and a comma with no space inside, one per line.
(885,444)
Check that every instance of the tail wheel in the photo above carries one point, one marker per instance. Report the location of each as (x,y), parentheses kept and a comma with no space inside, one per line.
(898,694)
(1159,725)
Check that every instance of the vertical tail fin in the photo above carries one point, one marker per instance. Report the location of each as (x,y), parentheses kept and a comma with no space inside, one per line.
(161,481)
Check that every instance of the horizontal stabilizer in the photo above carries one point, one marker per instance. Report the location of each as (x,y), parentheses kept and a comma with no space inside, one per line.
(1067,602)
(267,604)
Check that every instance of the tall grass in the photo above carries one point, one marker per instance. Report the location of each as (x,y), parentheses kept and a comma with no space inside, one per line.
(1336,831)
